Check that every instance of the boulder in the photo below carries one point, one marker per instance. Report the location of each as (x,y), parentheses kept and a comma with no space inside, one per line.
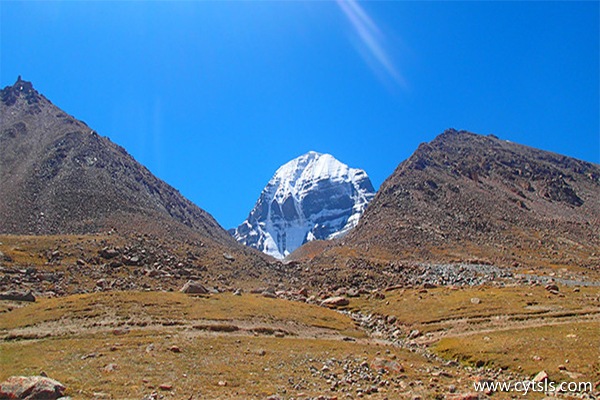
(108,253)
(387,365)
(31,388)
(552,288)
(193,288)
(17,295)
(4,257)
(541,377)
(337,301)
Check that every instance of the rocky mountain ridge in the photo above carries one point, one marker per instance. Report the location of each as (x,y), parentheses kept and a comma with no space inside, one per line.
(466,196)
(59,176)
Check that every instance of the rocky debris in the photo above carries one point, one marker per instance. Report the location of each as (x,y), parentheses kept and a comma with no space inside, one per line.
(368,275)
(16,295)
(145,262)
(475,300)
(333,302)
(31,388)
(228,257)
(194,288)
(165,386)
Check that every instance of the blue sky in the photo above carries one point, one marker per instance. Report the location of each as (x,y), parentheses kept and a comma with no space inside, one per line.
(214,96)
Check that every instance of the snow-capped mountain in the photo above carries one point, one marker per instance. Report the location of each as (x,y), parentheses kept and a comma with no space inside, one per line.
(311,197)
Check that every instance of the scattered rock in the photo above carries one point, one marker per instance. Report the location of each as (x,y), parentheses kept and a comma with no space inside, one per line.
(222,383)
(415,333)
(193,288)
(387,365)
(269,293)
(551,287)
(131,261)
(228,257)
(467,396)
(110,367)
(333,302)
(166,386)
(17,295)
(541,376)
(4,257)
(175,349)
(31,388)
(475,300)
(108,253)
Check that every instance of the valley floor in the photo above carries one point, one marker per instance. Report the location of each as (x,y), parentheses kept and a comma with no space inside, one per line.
(130,334)
(406,343)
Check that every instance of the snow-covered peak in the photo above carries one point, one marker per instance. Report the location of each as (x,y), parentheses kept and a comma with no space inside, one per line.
(313,196)
(298,176)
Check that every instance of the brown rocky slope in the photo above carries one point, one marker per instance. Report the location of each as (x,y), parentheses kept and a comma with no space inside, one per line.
(465,197)
(59,177)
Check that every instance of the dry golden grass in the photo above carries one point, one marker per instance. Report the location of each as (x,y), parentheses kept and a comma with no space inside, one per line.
(253,365)
(523,329)
(426,309)
(143,362)
(576,346)
(171,308)
(32,250)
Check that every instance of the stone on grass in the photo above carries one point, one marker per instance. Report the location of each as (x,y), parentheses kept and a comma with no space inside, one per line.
(337,301)
(31,388)
(17,295)
(191,287)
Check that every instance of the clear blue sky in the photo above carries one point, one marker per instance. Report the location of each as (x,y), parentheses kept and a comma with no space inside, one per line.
(214,96)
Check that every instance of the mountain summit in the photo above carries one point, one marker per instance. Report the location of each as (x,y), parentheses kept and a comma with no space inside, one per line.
(58,176)
(311,197)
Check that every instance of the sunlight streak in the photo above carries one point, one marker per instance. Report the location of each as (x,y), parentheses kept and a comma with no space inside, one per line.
(371,38)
